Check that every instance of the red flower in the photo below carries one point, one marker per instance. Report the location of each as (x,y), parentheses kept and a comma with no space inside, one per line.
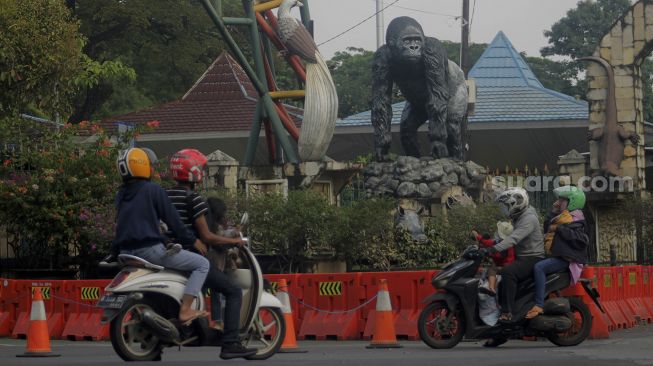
(83,124)
(104,152)
(6,163)
(153,124)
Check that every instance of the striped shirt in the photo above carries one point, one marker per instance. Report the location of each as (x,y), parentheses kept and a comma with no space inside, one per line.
(190,206)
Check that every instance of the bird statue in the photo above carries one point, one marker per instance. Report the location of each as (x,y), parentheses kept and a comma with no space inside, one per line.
(321,97)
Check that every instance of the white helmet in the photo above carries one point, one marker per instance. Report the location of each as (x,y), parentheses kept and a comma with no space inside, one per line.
(513,201)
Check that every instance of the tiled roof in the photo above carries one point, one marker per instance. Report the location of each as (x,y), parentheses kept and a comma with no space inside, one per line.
(222,99)
(507,91)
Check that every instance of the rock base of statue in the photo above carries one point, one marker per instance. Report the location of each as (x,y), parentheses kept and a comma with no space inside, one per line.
(422,178)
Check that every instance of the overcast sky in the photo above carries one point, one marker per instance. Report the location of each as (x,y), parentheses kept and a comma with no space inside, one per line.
(523,21)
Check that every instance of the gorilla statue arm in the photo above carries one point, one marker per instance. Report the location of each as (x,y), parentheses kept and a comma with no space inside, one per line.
(436,70)
(382,102)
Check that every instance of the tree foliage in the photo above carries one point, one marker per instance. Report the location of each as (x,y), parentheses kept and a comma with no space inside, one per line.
(169,44)
(579,33)
(40,56)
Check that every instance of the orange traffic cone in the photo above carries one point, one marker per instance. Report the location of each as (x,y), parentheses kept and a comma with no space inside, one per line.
(38,340)
(289,344)
(384,325)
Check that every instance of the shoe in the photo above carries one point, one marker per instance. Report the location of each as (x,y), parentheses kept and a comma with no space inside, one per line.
(235,350)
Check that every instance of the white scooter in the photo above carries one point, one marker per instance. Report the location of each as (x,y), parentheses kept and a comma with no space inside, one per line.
(142,303)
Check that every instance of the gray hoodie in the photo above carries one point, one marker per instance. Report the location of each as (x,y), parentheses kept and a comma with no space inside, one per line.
(526,237)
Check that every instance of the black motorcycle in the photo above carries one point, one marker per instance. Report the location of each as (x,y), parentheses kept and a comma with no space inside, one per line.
(453,311)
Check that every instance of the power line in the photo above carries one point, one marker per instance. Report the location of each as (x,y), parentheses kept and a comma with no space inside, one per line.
(358,24)
(428,12)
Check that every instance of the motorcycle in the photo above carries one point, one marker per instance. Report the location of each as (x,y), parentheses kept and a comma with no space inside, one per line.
(451,313)
(142,302)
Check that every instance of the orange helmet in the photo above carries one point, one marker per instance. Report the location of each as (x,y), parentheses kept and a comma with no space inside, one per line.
(135,163)
(187,165)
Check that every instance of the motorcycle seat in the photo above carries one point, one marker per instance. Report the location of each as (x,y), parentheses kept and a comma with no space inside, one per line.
(134,261)
(529,283)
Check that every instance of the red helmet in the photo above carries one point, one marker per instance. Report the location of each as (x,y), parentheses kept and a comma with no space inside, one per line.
(187,165)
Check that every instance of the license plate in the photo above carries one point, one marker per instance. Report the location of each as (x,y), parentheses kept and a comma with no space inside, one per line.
(112,301)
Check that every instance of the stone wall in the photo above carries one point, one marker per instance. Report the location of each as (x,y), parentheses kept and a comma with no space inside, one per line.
(628,43)
(424,178)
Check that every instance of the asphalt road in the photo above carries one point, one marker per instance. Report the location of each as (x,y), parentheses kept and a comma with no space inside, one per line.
(627,347)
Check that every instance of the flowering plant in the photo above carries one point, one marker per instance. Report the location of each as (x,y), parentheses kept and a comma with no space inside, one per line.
(57,186)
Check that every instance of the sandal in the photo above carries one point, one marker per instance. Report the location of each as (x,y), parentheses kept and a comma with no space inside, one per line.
(494,342)
(198,314)
(505,318)
(535,311)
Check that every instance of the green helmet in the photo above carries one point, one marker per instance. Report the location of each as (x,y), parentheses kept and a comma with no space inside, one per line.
(574,195)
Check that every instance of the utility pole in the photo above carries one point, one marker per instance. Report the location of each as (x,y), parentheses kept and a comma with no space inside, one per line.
(379,24)
(464,43)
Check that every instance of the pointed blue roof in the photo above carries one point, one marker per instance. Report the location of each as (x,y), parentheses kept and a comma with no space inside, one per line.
(502,66)
(507,90)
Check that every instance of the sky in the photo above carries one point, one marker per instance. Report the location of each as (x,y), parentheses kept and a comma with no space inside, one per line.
(523,21)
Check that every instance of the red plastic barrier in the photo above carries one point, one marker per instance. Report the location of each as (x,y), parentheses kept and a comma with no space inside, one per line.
(600,322)
(607,285)
(331,292)
(632,290)
(82,317)
(647,287)
(51,290)
(8,306)
(622,301)
(407,290)
(295,293)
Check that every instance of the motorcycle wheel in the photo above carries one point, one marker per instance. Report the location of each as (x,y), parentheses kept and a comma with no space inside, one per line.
(433,329)
(581,325)
(267,333)
(130,339)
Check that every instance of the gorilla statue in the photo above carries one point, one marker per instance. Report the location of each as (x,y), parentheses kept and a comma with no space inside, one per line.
(433,86)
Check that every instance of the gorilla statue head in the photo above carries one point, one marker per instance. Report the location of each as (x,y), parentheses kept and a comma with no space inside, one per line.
(405,38)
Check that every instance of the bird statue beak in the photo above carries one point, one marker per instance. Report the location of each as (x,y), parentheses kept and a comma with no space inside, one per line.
(299,3)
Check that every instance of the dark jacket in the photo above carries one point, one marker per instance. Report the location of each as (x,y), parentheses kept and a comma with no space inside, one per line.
(570,242)
(141,204)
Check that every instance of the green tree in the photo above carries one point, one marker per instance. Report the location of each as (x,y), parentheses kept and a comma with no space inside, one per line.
(579,33)
(352,74)
(556,75)
(40,56)
(169,44)
(475,51)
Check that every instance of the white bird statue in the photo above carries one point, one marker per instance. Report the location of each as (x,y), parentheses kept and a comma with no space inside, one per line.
(321,99)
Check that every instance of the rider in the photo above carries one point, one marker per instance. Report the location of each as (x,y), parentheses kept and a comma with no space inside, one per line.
(141,205)
(527,240)
(187,169)
(568,242)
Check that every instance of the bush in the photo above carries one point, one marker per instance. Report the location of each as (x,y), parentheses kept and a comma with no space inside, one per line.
(57,187)
(304,228)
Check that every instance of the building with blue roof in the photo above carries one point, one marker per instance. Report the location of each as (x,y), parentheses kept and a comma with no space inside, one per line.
(516,121)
